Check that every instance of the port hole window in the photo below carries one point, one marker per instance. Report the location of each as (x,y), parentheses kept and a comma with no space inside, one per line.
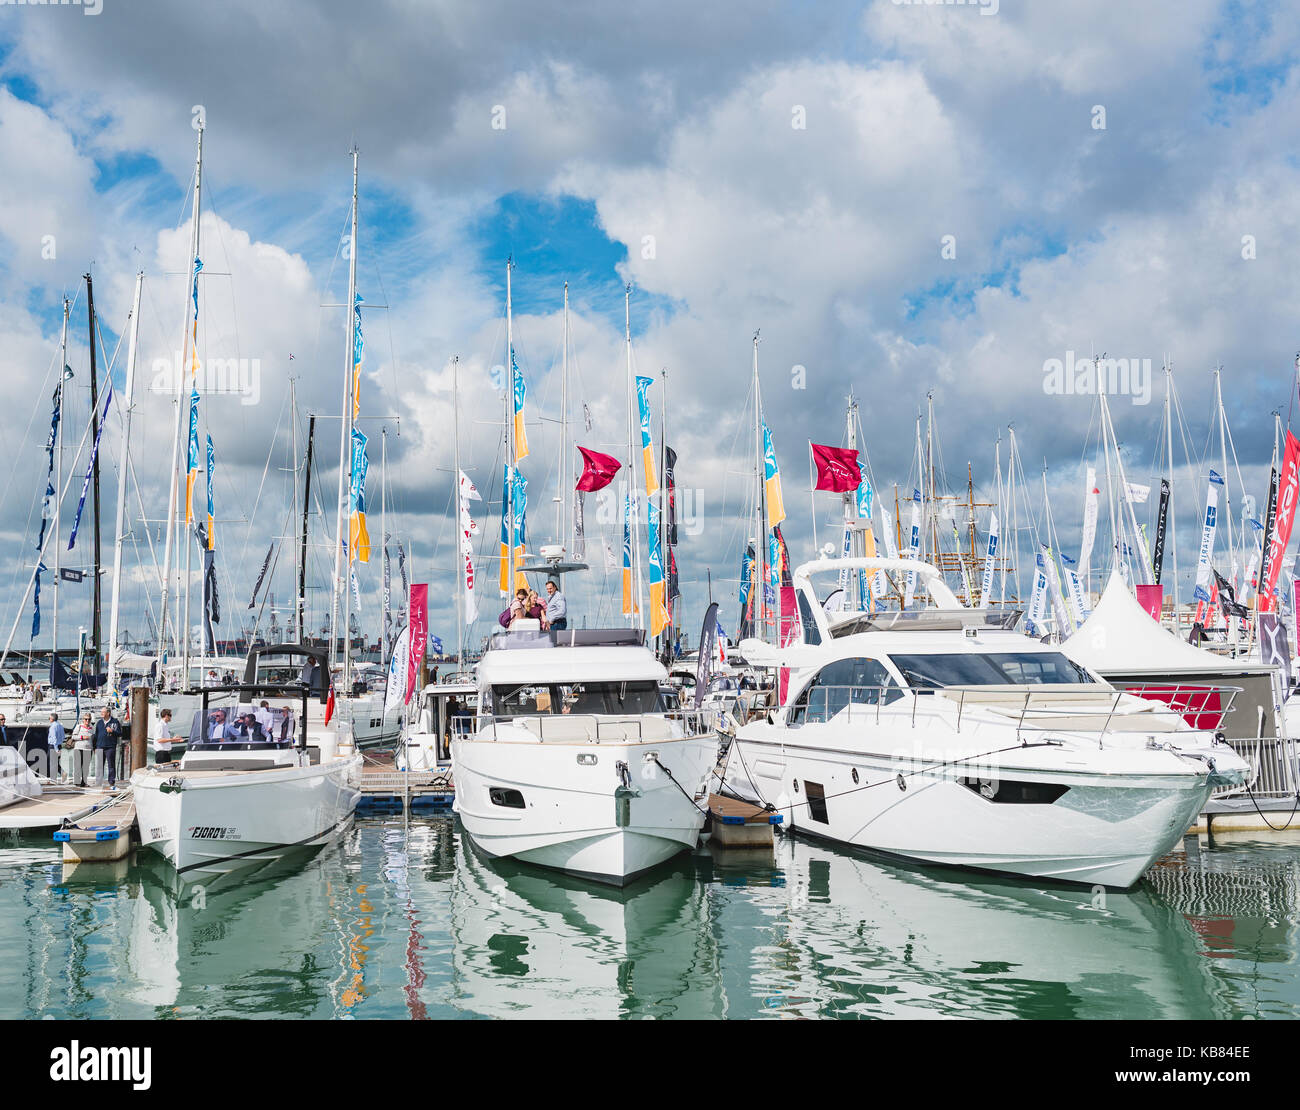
(816,796)
(503,796)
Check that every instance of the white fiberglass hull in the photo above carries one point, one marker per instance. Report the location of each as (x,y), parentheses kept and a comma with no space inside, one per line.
(577,816)
(1113,819)
(218,823)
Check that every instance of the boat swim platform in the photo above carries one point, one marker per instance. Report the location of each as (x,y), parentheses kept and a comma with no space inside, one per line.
(738,824)
(386,790)
(53,808)
(100,836)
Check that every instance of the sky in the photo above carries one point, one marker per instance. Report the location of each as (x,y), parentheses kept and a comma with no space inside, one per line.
(904,199)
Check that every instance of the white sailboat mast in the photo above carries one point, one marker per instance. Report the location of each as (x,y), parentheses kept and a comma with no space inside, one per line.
(58,483)
(123,457)
(173,496)
(342,571)
(760,531)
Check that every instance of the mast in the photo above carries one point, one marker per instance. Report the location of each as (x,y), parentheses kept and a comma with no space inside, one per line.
(760,533)
(1115,539)
(511,461)
(1015,512)
(634,493)
(58,485)
(301,604)
(562,529)
(1002,508)
(342,572)
(1172,529)
(1223,447)
(664,549)
(460,554)
(96,598)
(173,496)
(124,455)
(296,623)
(929,466)
(383,532)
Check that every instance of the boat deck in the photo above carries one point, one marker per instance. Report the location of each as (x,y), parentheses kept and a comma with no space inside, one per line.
(55,806)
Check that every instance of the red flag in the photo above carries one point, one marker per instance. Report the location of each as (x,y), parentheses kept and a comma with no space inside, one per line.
(597,470)
(329,705)
(1288,493)
(837,468)
(419,634)
(1151,598)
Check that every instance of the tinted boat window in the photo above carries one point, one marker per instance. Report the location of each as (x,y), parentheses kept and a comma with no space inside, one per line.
(1048,668)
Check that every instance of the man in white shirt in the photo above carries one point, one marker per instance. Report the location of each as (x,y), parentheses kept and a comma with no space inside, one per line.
(265,719)
(163,745)
(557,609)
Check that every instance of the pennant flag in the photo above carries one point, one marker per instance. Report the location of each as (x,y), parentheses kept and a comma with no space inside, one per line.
(597,470)
(990,563)
(212,465)
(36,602)
(659,617)
(629,602)
(1288,492)
(419,634)
(395,688)
(257,586)
(358,535)
(837,468)
(90,469)
(1162,522)
(519,391)
(647,446)
(194,347)
(358,344)
(193,468)
(772,476)
(1228,599)
(670,484)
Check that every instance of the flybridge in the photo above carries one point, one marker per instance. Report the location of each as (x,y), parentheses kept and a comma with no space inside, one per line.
(570,637)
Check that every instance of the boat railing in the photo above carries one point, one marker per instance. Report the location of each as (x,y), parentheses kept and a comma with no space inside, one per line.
(597,728)
(1202,707)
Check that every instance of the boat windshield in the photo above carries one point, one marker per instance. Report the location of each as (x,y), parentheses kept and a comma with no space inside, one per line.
(576,697)
(1018,668)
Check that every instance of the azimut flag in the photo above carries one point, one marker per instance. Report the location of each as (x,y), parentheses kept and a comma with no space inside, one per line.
(212,466)
(866,496)
(192,455)
(837,468)
(772,479)
(597,470)
(514,502)
(658,610)
(647,445)
(358,345)
(747,562)
(358,536)
(518,391)
(1288,491)
(990,563)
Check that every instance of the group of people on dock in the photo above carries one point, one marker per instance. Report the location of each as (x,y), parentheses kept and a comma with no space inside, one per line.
(86,754)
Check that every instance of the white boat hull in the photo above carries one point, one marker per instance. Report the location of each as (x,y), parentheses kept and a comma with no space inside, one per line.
(218,824)
(1107,828)
(578,817)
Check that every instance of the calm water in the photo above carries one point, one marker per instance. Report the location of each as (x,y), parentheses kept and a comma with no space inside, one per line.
(404,920)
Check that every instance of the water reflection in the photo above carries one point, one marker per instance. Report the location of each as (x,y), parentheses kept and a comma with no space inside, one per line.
(402,919)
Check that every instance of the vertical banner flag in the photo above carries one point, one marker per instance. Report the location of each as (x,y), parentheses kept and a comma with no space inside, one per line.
(90,469)
(521,525)
(647,446)
(773,582)
(1204,572)
(658,611)
(388,596)
(1063,624)
(518,391)
(1162,520)
(914,545)
(1288,491)
(670,485)
(746,590)
(629,602)
(194,346)
(357,345)
(772,480)
(1089,525)
(193,455)
(505,530)
(1038,599)
(674,591)
(358,536)
(1270,523)
(866,496)
(419,630)
(704,658)
(990,562)
(211,603)
(468,529)
(212,466)
(395,688)
(257,586)
(579,527)
(1078,598)
(36,602)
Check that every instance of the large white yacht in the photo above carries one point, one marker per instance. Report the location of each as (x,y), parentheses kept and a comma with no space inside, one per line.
(259,779)
(942,735)
(575,762)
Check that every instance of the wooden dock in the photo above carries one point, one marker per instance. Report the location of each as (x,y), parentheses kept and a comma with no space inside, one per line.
(738,824)
(55,806)
(384,789)
(104,834)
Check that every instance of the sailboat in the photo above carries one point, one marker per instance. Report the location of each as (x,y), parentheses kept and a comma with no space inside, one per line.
(575,761)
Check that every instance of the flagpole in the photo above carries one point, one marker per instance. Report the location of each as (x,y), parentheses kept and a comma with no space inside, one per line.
(760,536)
(512,462)
(1173,524)
(635,493)
(58,484)
(173,496)
(460,524)
(132,351)
(812,497)
(383,526)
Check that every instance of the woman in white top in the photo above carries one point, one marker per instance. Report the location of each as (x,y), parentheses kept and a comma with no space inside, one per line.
(84,733)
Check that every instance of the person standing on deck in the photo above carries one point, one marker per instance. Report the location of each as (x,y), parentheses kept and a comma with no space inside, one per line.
(557,609)
(54,739)
(108,731)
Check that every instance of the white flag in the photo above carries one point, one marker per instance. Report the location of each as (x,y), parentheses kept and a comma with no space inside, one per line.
(1137,494)
(990,560)
(467,489)
(395,691)
(1089,525)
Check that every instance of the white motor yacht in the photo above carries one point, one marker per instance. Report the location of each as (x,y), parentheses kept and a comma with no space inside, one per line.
(944,736)
(575,762)
(242,796)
